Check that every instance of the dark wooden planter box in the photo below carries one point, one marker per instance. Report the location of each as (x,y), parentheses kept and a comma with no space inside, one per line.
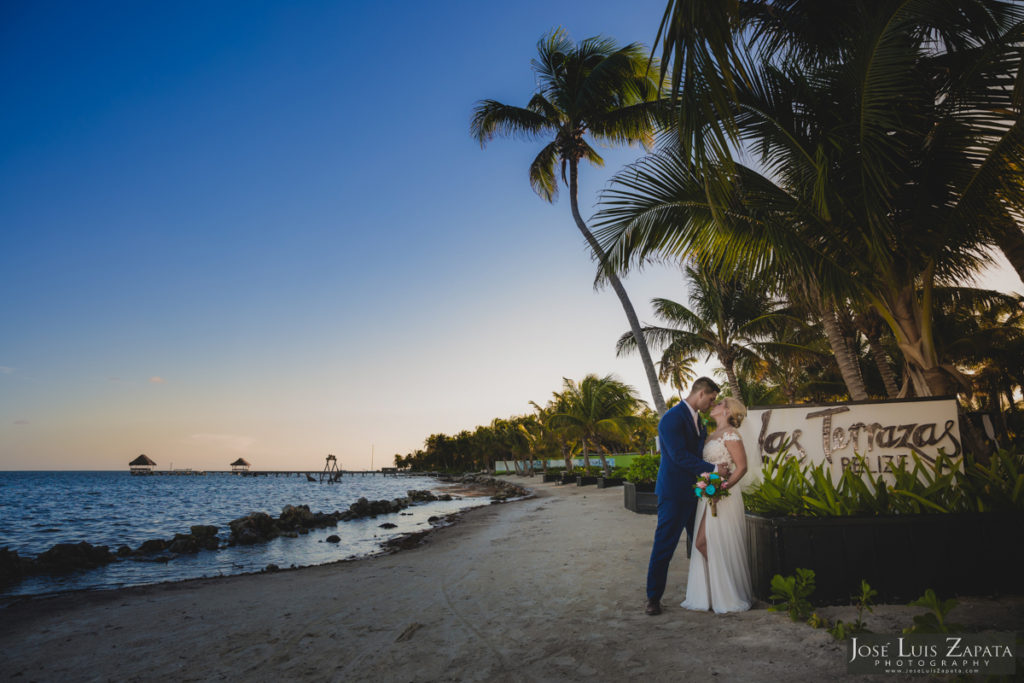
(568,479)
(606,482)
(557,476)
(586,481)
(640,498)
(900,556)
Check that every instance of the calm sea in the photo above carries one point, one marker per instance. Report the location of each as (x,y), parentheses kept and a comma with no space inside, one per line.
(41,509)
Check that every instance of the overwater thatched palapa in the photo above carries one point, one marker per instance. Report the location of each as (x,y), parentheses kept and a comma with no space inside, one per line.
(141,465)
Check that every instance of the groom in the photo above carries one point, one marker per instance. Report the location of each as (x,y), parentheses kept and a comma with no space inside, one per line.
(682,436)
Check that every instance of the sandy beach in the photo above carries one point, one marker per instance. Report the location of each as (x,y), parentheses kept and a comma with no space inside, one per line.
(544,589)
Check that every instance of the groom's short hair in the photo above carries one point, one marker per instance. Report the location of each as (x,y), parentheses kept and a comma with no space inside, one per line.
(705,384)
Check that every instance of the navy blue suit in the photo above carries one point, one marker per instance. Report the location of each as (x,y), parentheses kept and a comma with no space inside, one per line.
(682,444)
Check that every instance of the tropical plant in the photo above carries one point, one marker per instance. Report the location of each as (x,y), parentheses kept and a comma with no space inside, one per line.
(791,361)
(981,332)
(597,411)
(934,620)
(790,594)
(594,88)
(863,602)
(643,469)
(728,314)
(788,488)
(676,369)
(890,144)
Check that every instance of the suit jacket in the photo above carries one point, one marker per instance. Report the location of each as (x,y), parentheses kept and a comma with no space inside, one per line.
(681,447)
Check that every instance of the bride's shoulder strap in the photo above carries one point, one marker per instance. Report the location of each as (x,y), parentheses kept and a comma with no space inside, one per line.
(732,435)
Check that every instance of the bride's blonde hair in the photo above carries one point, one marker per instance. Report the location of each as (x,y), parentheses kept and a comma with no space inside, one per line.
(737,411)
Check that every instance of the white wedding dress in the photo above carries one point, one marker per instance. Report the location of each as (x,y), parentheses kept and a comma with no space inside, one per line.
(720,581)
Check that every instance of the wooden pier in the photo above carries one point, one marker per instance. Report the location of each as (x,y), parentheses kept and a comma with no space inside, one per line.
(145,466)
(387,472)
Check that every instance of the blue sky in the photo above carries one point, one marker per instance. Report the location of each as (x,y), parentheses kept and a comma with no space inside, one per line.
(262,228)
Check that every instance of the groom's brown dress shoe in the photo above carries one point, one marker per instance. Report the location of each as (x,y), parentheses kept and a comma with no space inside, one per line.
(653,607)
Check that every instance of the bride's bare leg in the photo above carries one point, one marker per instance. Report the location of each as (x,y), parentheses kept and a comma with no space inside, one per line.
(701,542)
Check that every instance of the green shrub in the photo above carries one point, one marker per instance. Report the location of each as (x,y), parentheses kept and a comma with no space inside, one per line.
(643,469)
(790,489)
(864,601)
(933,621)
(790,593)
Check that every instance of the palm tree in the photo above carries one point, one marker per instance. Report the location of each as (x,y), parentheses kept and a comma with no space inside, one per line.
(597,410)
(891,147)
(593,88)
(727,317)
(792,358)
(676,369)
(983,335)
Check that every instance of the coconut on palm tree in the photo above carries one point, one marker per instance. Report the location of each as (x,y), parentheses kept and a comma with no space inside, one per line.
(594,89)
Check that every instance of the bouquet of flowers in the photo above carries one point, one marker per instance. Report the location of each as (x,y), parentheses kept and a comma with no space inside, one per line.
(709,487)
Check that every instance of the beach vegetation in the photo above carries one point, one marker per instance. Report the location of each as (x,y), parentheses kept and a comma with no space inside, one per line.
(643,469)
(728,314)
(863,161)
(597,411)
(919,486)
(790,594)
(863,602)
(934,620)
(596,416)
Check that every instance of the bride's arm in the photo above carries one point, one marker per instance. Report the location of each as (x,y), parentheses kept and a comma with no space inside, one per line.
(739,457)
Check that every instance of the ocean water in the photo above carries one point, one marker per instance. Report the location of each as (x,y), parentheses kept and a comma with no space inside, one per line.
(40,509)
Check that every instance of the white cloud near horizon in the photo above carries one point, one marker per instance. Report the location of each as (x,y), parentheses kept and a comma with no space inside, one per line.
(156,379)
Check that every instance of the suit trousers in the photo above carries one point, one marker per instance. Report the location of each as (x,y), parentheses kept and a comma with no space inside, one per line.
(674,515)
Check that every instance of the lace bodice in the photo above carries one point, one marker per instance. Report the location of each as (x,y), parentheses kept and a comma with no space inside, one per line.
(715,451)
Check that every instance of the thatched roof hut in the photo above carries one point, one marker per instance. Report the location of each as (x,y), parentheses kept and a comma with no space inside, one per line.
(240,465)
(141,465)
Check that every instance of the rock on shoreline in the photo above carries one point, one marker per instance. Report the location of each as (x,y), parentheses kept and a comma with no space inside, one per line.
(256,527)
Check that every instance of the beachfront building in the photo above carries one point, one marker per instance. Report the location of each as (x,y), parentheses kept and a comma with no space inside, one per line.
(141,465)
(240,466)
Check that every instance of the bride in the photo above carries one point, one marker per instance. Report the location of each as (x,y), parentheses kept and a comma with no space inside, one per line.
(719,576)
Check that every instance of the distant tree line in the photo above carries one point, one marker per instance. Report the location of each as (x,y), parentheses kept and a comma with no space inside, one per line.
(591,418)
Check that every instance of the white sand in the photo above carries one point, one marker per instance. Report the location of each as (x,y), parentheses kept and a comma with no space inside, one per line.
(546,589)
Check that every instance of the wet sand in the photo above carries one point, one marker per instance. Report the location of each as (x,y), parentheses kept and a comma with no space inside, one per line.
(544,589)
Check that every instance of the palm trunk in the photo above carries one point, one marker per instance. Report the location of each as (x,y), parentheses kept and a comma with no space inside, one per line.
(884,369)
(849,368)
(730,374)
(586,457)
(911,321)
(604,461)
(620,291)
